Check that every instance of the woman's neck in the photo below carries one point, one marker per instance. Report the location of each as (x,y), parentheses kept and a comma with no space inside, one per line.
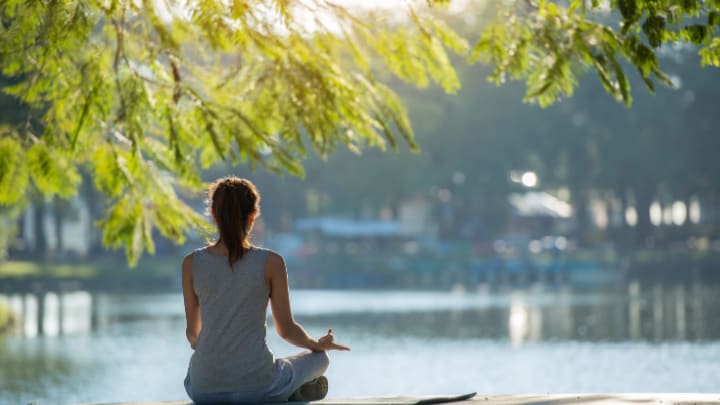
(218,248)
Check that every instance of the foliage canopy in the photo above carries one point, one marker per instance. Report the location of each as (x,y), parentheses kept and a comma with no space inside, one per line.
(551,43)
(141,95)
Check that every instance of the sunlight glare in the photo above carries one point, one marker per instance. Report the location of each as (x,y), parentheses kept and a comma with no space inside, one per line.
(656,213)
(600,214)
(518,321)
(695,212)
(631,216)
(679,213)
(529,179)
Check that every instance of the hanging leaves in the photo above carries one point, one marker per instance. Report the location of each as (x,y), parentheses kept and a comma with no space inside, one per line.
(13,170)
(142,95)
(550,44)
(52,171)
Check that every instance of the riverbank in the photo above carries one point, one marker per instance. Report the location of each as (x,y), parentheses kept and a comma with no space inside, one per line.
(463,269)
(529,399)
(108,273)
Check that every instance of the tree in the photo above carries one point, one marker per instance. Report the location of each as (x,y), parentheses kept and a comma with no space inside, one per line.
(551,43)
(144,94)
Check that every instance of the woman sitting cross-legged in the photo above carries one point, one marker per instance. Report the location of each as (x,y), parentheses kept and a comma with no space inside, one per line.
(226,288)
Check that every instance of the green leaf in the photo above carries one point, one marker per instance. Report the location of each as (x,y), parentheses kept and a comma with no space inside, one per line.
(108,176)
(697,33)
(13,170)
(629,10)
(713,19)
(52,171)
(623,83)
(710,55)
(123,227)
(654,29)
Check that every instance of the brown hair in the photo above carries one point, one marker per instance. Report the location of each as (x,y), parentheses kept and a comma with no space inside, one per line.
(231,201)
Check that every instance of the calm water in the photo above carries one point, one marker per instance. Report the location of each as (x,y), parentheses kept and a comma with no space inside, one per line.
(535,341)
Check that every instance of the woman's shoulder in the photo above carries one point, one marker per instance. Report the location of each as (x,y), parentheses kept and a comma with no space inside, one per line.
(195,252)
(188,259)
(273,261)
(269,253)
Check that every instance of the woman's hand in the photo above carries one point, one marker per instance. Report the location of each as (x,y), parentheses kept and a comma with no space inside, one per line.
(327,342)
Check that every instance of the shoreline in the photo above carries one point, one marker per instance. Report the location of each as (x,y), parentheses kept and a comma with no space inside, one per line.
(505,399)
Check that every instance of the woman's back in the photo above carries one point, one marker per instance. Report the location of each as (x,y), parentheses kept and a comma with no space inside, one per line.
(231,353)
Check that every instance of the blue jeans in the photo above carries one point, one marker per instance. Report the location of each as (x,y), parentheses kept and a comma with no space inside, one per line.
(289,374)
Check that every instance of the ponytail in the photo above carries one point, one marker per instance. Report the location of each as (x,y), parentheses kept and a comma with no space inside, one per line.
(232,201)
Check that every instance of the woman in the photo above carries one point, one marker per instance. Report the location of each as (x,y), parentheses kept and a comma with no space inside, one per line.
(226,288)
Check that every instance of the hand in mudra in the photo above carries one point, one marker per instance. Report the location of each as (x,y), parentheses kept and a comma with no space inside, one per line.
(327,342)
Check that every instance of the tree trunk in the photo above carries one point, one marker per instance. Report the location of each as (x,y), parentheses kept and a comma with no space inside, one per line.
(620,237)
(59,210)
(644,228)
(40,245)
(579,200)
(20,247)
(21,228)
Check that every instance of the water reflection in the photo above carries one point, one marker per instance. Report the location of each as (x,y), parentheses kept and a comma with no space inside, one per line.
(36,362)
(519,322)
(51,314)
(116,348)
(651,313)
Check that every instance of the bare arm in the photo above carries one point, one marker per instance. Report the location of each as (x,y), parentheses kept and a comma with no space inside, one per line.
(285,324)
(192,306)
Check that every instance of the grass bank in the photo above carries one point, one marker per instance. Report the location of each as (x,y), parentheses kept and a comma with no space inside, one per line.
(94,267)
(102,273)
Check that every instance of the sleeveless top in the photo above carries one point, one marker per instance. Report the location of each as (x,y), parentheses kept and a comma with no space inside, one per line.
(231,353)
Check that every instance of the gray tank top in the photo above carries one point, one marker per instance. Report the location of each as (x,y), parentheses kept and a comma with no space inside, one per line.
(231,354)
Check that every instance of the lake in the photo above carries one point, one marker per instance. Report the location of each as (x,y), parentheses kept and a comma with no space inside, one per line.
(635,338)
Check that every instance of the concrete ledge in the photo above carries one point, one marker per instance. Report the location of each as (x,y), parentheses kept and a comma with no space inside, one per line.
(531,399)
